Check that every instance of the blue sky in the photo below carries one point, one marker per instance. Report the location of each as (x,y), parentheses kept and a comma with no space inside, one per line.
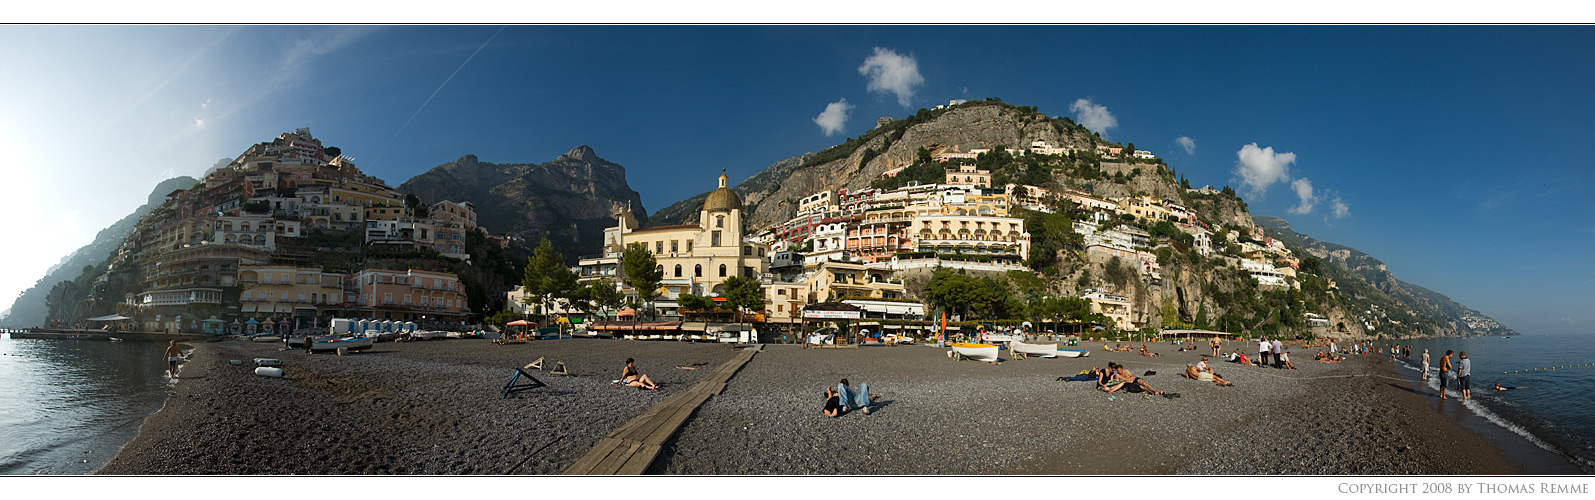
(1458,155)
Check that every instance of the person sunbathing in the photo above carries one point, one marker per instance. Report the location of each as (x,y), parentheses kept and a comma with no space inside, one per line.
(631,377)
(1203,372)
(1121,378)
(1144,352)
(833,403)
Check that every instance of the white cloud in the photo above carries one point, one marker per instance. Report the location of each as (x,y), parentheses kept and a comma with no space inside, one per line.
(889,71)
(1259,168)
(960,101)
(834,118)
(205,104)
(1304,191)
(1338,208)
(1187,143)
(1093,116)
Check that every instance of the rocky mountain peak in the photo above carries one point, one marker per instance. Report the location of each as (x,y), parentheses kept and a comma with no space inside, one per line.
(581,153)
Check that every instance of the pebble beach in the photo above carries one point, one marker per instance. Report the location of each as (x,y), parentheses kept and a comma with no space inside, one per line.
(434,408)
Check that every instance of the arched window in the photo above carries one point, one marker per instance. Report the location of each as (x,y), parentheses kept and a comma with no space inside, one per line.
(678,270)
(722,270)
(720,221)
(697,270)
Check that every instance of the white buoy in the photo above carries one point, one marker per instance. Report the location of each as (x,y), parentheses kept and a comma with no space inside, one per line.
(268,362)
(268,371)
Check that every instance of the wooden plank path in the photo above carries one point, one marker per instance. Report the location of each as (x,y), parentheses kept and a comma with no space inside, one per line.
(634,445)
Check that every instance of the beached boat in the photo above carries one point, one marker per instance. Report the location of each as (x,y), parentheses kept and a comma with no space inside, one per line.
(335,343)
(430,335)
(1042,350)
(266,338)
(978,352)
(1073,353)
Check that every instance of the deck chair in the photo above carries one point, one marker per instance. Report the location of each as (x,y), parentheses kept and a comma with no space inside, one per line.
(559,369)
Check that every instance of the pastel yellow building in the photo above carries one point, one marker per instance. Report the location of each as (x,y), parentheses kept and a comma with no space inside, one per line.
(697,258)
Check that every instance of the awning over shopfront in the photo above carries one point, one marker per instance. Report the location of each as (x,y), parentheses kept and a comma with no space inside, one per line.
(626,326)
(113,317)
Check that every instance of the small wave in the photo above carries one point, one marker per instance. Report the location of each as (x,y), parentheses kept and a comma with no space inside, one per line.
(1479,409)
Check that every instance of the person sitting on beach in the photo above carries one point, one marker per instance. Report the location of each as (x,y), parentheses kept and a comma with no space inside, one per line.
(1240,357)
(856,400)
(1285,358)
(1148,354)
(1123,378)
(1204,372)
(833,403)
(631,377)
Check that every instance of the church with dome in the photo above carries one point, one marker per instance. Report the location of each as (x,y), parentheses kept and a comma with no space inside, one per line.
(696,258)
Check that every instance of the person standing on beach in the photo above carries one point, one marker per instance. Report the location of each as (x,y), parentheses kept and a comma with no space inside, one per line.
(1279,348)
(1464,373)
(1445,371)
(1217,345)
(1425,365)
(1263,347)
(172,354)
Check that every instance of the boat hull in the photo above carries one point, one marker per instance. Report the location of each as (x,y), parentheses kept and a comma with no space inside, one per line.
(352,343)
(1042,350)
(1073,353)
(978,352)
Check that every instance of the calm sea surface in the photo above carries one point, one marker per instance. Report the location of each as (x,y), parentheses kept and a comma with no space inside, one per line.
(1553,408)
(68,405)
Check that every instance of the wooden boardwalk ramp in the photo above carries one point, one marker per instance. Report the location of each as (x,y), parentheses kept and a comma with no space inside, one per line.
(632,447)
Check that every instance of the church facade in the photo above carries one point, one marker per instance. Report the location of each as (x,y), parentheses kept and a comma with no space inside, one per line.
(697,258)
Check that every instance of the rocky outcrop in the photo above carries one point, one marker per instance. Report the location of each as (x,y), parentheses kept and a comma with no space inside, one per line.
(772,195)
(570,199)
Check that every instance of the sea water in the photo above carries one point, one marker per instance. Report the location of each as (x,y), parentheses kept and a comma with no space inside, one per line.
(68,405)
(1553,405)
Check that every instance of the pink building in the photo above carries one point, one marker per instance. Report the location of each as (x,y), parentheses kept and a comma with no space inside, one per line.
(414,295)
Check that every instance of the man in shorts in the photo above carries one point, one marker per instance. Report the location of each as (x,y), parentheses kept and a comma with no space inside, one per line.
(1445,370)
(172,355)
(1464,373)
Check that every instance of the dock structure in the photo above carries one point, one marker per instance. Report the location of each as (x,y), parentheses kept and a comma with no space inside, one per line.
(630,449)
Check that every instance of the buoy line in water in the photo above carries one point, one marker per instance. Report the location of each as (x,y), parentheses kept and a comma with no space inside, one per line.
(1526,370)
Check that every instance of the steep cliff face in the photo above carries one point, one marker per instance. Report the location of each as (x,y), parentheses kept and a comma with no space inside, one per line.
(570,199)
(29,308)
(772,195)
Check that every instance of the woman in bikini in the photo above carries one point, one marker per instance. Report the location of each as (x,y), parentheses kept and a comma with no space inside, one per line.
(631,377)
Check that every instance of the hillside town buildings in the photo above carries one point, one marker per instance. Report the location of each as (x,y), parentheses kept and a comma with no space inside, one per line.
(228,252)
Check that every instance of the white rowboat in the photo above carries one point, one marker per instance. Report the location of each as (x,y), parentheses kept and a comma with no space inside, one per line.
(978,352)
(1042,350)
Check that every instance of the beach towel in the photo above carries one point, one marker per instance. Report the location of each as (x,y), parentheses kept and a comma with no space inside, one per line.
(1083,377)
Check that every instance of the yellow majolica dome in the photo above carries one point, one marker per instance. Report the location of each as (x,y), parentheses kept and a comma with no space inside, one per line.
(723,198)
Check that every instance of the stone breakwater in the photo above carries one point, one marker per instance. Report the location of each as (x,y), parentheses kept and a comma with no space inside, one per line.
(434,408)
